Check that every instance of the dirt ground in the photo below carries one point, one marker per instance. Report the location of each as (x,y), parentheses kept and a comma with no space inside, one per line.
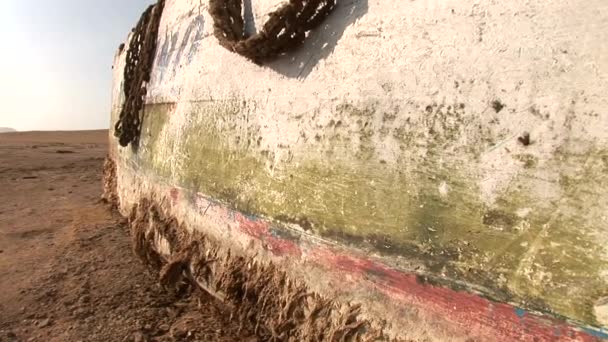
(67,271)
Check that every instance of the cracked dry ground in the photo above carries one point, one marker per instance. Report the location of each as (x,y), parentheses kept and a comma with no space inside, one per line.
(67,271)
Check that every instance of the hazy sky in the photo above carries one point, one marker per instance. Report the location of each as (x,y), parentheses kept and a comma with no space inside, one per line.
(56,59)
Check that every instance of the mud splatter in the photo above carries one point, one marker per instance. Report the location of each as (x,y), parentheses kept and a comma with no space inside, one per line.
(110,186)
(498,106)
(524,139)
(281,308)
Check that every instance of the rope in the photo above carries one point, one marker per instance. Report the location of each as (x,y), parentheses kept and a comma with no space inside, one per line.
(139,62)
(285,30)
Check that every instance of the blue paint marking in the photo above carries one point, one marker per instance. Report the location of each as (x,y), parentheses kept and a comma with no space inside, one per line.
(557,332)
(520,312)
(212,201)
(603,334)
(275,232)
(252,218)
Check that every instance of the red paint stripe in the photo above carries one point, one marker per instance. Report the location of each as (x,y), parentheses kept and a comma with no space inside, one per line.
(281,247)
(474,315)
(477,315)
(257,229)
(260,229)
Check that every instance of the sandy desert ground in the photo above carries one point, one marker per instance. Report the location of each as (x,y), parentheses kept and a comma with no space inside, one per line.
(67,271)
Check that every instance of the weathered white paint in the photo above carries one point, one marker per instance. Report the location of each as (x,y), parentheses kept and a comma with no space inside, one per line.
(546,55)
(546,61)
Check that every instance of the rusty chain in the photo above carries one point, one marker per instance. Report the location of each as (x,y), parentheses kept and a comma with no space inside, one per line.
(285,30)
(139,62)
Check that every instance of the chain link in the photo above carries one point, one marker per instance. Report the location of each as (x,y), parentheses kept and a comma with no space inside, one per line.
(139,62)
(285,30)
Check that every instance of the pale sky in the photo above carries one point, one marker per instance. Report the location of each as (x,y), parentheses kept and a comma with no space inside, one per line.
(56,59)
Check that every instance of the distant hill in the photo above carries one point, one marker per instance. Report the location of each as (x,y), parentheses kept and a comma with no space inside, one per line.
(6,130)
